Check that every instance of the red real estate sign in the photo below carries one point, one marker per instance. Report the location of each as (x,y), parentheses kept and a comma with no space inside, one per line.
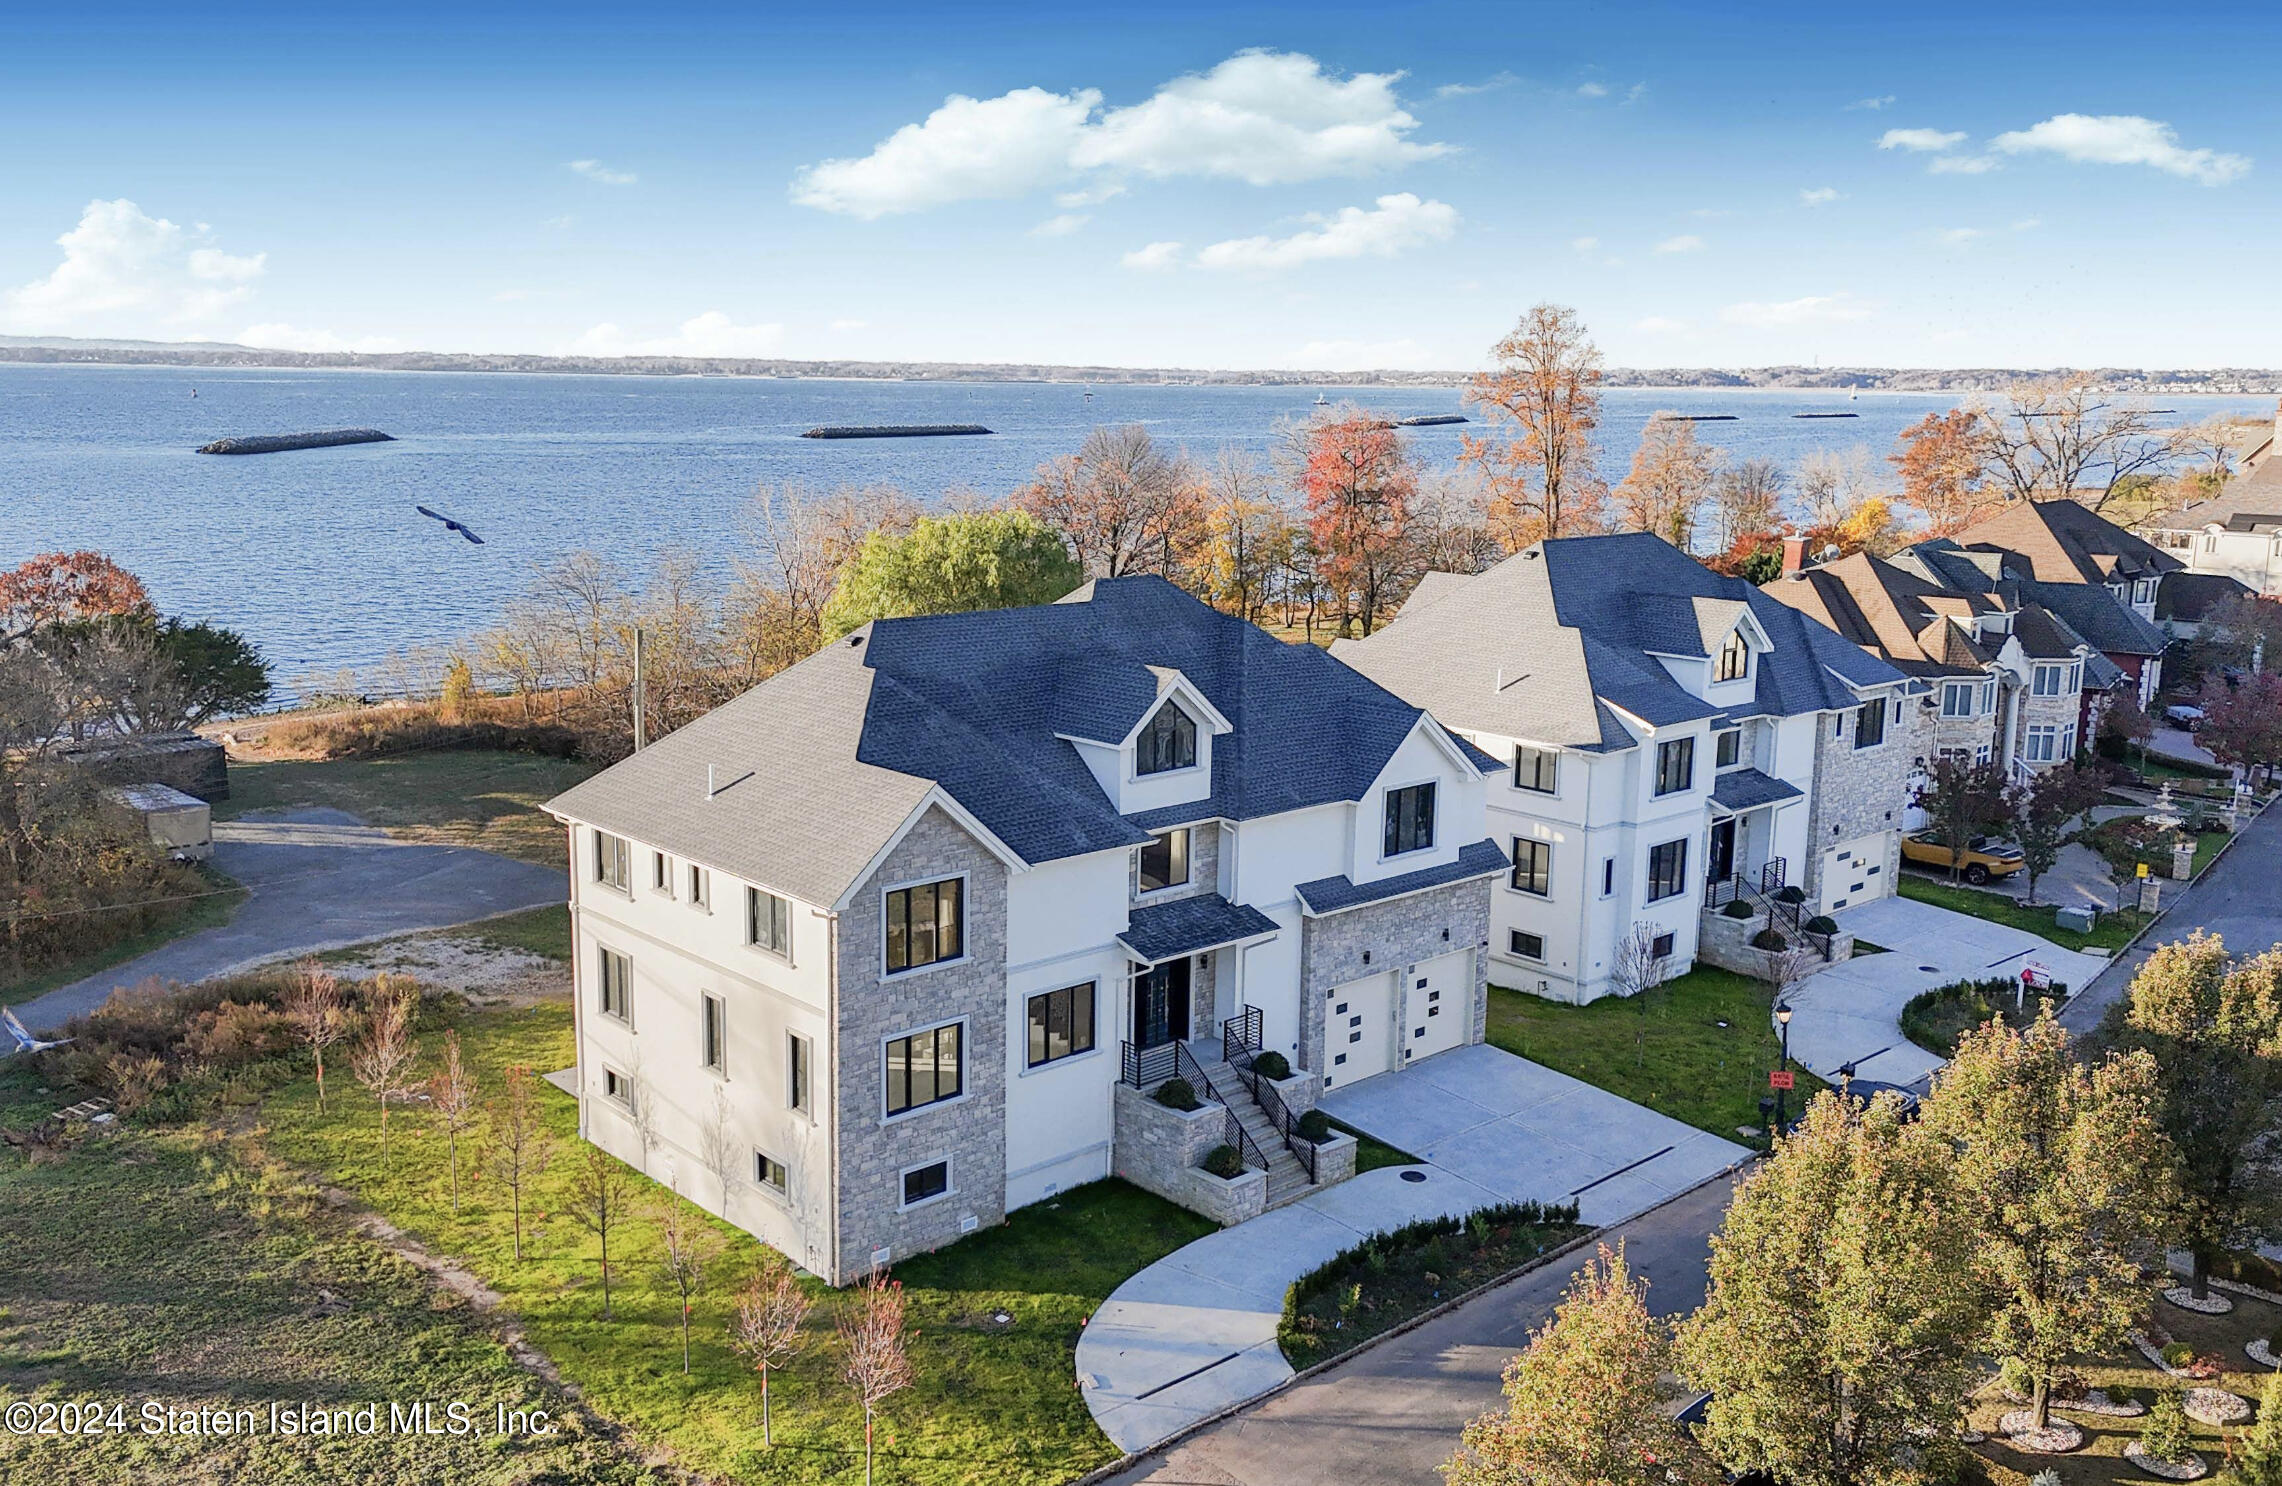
(1782,1079)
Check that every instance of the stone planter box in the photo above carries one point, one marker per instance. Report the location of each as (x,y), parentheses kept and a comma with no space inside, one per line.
(1335,1158)
(1226,1201)
(1160,1150)
(1299,1092)
(1726,942)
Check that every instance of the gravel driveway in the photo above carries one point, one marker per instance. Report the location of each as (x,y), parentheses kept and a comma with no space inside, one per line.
(318,879)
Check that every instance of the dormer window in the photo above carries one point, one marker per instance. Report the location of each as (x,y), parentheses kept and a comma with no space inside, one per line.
(1409,820)
(1734,658)
(1167,743)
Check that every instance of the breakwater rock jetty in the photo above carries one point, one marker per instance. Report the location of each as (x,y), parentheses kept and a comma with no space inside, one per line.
(893,430)
(1429,420)
(278,443)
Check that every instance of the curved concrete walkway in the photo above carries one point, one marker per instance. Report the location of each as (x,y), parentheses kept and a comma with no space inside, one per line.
(1852,1013)
(317,879)
(1195,1333)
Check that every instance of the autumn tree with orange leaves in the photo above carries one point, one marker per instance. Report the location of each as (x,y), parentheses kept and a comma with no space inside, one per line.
(1357,482)
(1944,462)
(58,587)
(1124,504)
(1672,474)
(1546,387)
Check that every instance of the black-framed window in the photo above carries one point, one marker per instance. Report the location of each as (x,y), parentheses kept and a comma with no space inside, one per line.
(614,982)
(1661,946)
(1608,876)
(1165,861)
(1734,658)
(768,921)
(1730,749)
(1675,765)
(1533,866)
(613,861)
(926,1068)
(715,1045)
(1061,1024)
(1667,866)
(1870,724)
(1410,819)
(923,1182)
(926,924)
(617,1087)
(1527,945)
(799,1060)
(771,1173)
(1167,743)
(1537,769)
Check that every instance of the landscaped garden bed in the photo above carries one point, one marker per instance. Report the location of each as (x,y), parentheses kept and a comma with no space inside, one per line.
(2113,931)
(1387,1279)
(1935,1019)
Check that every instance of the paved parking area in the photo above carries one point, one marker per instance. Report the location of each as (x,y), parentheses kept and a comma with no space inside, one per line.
(1851,1013)
(1195,1333)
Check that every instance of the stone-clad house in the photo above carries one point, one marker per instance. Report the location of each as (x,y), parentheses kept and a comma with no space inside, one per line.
(894,943)
(1667,734)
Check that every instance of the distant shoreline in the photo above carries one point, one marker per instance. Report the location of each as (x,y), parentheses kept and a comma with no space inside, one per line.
(62,351)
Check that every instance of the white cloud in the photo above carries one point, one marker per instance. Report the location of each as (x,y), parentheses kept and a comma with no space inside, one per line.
(1584,246)
(2028,224)
(118,258)
(2122,139)
(1357,355)
(1821,196)
(709,334)
(1814,309)
(1393,225)
(846,325)
(1060,226)
(1961,164)
(1634,93)
(1921,140)
(281,337)
(601,174)
(1871,104)
(1686,242)
(1090,196)
(1265,118)
(558,224)
(1467,90)
(1659,325)
(1957,237)
(1155,258)
(1592,90)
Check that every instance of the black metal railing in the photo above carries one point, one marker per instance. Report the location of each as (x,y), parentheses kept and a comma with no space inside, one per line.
(1240,1038)
(1721,891)
(1241,1034)
(1773,875)
(1148,1069)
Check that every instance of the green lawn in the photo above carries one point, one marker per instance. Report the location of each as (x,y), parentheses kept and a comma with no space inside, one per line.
(1698,1048)
(1371,1153)
(457,797)
(994,1402)
(2112,932)
(205,912)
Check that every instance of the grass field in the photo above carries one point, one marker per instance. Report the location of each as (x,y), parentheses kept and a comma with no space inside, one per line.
(460,797)
(195,914)
(1697,1048)
(2112,932)
(1371,1153)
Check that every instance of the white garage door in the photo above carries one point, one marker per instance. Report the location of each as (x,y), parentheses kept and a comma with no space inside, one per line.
(1855,872)
(1359,1029)
(1438,1005)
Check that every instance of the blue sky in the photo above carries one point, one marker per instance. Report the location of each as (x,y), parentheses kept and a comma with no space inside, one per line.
(1318,185)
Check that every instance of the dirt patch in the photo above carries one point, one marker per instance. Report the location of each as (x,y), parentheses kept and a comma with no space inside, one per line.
(487,974)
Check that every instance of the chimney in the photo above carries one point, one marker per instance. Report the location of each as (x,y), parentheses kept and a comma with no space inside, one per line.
(1794,555)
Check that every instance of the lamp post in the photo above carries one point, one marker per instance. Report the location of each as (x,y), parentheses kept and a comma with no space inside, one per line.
(1782,1094)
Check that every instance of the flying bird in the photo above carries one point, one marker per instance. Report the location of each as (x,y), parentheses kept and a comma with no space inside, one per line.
(450,524)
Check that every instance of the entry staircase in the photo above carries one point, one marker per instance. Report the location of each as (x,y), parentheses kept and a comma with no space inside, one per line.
(1789,919)
(1256,1122)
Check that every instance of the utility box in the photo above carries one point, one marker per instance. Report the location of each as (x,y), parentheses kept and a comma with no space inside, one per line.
(179,824)
(2079,919)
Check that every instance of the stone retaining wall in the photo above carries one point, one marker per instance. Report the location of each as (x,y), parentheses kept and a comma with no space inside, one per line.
(1726,942)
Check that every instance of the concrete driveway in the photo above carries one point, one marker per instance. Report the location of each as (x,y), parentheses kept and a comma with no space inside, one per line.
(1195,1333)
(1851,1013)
(318,879)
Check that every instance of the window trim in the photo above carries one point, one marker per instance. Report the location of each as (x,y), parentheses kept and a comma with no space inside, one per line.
(1876,706)
(1679,878)
(1687,748)
(761,1161)
(617,1088)
(1541,852)
(700,887)
(713,1034)
(1196,742)
(800,1073)
(1547,761)
(1973,691)
(1433,817)
(1733,645)
(754,892)
(624,1016)
(1092,989)
(1721,758)
(966,1085)
(950,1183)
(1513,945)
(1187,856)
(624,852)
(1608,877)
(966,902)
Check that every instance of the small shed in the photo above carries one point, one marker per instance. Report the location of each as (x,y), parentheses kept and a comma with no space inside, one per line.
(191,763)
(180,825)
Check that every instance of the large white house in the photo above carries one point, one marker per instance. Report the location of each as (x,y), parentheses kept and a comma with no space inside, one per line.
(2238,532)
(1666,732)
(863,956)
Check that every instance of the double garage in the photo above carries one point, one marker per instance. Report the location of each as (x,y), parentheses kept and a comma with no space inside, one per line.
(1390,1020)
(1859,870)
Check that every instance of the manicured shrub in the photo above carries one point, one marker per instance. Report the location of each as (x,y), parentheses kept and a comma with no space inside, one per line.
(1315,1126)
(1225,1162)
(1737,908)
(1821,923)
(2165,1435)
(1272,1064)
(1769,939)
(1177,1093)
(1790,892)
(2178,1354)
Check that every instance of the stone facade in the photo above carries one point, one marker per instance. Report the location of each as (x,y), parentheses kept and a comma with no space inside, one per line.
(1158,1149)
(2062,711)
(1394,935)
(1861,792)
(970,1131)
(1726,942)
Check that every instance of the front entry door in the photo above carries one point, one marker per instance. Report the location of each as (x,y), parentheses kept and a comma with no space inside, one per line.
(1723,850)
(1161,1004)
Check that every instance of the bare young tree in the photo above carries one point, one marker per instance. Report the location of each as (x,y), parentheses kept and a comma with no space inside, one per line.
(383,1061)
(320,1015)
(687,1246)
(873,1330)
(765,1331)
(453,1099)
(1672,473)
(2058,435)
(1832,485)
(520,1145)
(1635,970)
(1124,504)
(601,1189)
(641,1108)
(718,1146)
(1546,386)
(1748,498)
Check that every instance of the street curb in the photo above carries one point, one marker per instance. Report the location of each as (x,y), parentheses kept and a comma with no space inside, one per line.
(1125,1463)
(2234,838)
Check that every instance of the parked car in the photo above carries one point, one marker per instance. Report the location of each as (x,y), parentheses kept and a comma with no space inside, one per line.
(2183,716)
(1984,857)
(1867,1089)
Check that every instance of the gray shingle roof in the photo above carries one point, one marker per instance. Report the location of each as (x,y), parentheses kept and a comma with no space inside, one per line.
(1742,789)
(2103,620)
(1191,925)
(1336,894)
(2189,596)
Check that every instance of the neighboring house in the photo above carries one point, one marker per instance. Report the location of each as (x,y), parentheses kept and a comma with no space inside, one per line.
(2187,598)
(863,955)
(2238,532)
(2008,686)
(1666,732)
